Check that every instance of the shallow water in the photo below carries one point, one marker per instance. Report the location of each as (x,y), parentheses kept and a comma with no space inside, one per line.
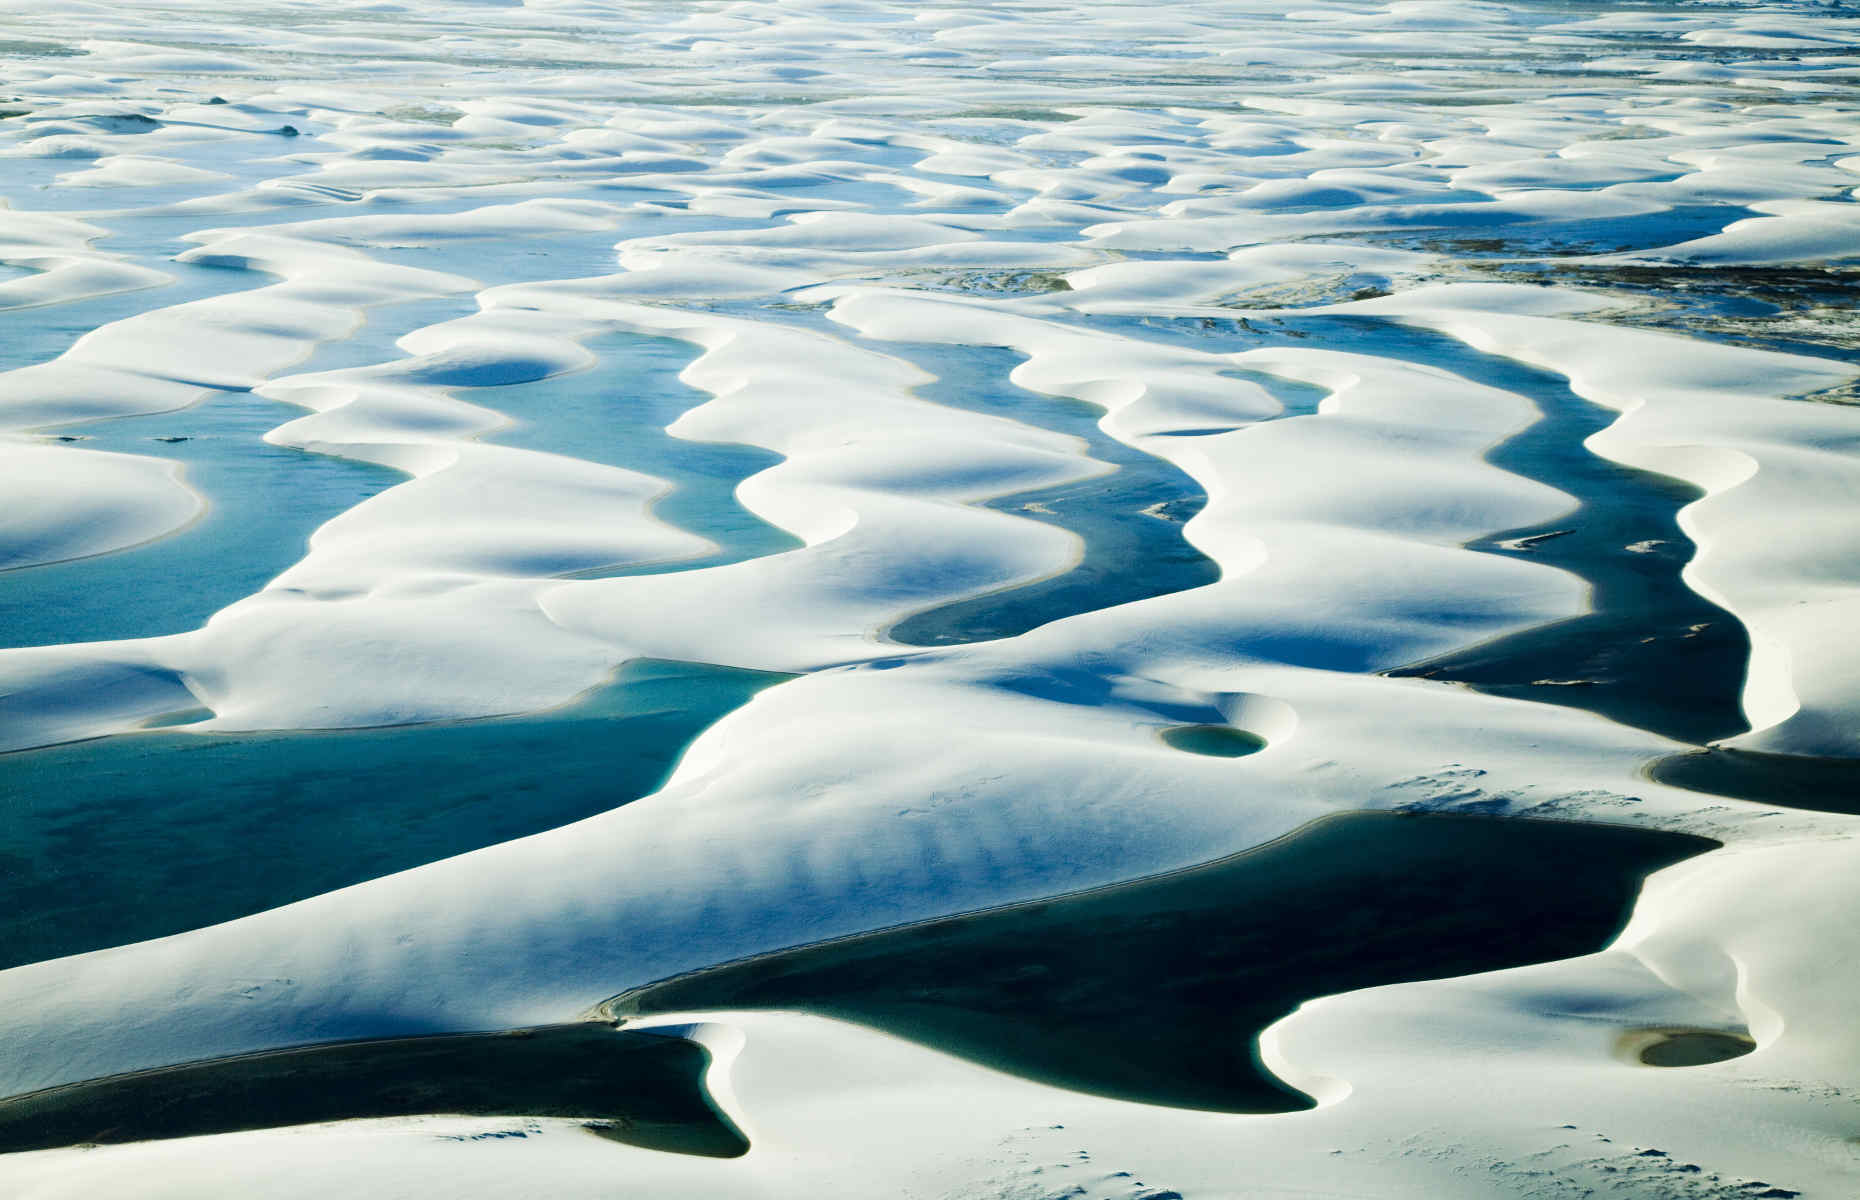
(1481,234)
(120,839)
(1695,1048)
(264,502)
(616,413)
(1790,309)
(36,335)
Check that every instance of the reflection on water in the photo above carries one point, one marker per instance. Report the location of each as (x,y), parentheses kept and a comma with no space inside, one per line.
(1653,653)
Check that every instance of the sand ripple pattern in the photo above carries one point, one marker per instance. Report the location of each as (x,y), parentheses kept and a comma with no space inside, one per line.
(379,365)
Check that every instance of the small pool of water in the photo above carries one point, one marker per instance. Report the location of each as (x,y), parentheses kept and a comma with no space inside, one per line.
(1689,1047)
(1215,741)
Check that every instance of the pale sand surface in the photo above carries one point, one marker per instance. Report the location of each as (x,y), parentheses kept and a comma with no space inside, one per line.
(1031,384)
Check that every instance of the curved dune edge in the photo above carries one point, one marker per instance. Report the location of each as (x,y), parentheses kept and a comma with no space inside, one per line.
(1156,674)
(724,1043)
(1720,418)
(743,765)
(67,502)
(892,156)
(62,267)
(63,502)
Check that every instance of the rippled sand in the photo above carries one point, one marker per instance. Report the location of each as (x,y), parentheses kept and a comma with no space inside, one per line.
(614,489)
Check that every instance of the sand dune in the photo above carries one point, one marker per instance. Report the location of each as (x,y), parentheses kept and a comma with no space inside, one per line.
(822,338)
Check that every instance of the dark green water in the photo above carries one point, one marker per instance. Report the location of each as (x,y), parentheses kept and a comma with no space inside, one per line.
(1790,780)
(1696,1048)
(639,1088)
(1653,654)
(126,838)
(1130,519)
(1216,741)
(1157,990)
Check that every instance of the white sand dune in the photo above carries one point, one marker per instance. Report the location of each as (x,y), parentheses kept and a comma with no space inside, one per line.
(62,503)
(941,277)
